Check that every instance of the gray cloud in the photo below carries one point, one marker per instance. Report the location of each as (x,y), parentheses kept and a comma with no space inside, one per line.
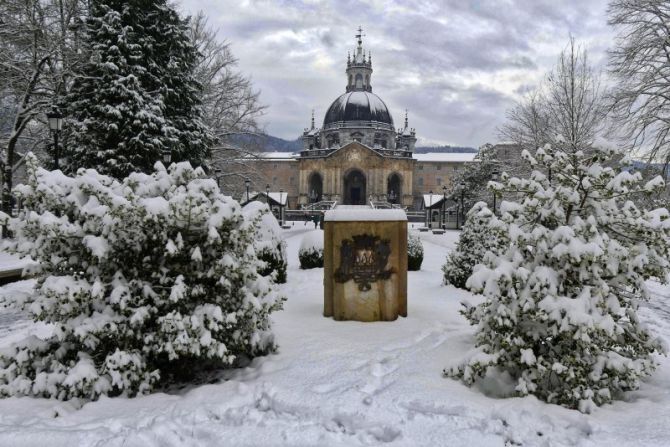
(456,65)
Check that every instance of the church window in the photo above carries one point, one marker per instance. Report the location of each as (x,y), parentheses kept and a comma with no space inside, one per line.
(274,180)
(439,181)
(420,181)
(438,167)
(359,80)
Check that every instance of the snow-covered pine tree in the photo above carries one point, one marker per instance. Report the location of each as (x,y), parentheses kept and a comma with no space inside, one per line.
(173,62)
(136,96)
(145,281)
(478,236)
(560,305)
(268,243)
(114,124)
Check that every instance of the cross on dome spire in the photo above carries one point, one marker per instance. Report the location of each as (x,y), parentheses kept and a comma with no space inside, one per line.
(359,68)
(359,36)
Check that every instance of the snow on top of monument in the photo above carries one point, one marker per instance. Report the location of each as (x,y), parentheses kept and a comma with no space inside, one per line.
(364,213)
(456,157)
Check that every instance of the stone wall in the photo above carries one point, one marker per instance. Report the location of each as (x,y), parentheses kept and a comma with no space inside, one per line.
(279,174)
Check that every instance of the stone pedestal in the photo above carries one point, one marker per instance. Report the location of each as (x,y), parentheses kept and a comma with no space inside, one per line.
(365,264)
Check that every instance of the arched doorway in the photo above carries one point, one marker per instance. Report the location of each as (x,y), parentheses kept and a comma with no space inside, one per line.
(315,190)
(394,188)
(354,188)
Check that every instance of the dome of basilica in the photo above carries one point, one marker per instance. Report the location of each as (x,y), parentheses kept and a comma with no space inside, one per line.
(358,106)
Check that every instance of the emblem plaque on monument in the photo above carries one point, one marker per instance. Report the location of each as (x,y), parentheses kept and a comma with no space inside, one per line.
(363,258)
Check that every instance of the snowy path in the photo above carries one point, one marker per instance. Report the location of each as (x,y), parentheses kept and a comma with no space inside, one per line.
(346,383)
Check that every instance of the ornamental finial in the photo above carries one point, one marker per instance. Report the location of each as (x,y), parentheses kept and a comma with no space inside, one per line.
(359,36)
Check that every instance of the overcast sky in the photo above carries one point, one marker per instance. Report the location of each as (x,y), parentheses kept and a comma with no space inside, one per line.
(456,65)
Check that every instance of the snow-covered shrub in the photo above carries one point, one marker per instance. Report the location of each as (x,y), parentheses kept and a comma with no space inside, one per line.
(145,281)
(477,237)
(270,247)
(414,252)
(559,314)
(311,250)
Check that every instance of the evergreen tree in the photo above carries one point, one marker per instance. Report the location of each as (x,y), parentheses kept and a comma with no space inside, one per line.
(470,182)
(559,313)
(136,97)
(173,61)
(477,238)
(145,281)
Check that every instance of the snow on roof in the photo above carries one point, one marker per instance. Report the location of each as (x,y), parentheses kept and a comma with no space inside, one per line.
(275,155)
(277,195)
(273,196)
(431,200)
(455,157)
(364,213)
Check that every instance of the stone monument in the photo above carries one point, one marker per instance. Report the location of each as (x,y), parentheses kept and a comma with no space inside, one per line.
(365,264)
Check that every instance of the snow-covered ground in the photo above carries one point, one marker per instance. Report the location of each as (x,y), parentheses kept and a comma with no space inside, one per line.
(345,383)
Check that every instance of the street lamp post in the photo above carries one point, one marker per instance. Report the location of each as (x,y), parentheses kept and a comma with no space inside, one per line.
(444,207)
(281,207)
(167,156)
(217,174)
(462,210)
(494,177)
(430,210)
(55,119)
(247,183)
(267,196)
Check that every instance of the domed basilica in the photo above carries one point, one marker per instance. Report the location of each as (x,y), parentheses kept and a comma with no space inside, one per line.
(358,155)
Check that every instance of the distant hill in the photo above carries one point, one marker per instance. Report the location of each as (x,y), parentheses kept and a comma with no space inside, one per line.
(267,143)
(276,144)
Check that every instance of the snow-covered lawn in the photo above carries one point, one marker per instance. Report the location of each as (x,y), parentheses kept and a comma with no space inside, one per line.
(345,383)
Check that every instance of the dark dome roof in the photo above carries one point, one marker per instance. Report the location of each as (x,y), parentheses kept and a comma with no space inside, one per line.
(358,106)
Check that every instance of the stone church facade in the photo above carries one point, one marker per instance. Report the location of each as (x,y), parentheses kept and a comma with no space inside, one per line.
(358,155)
